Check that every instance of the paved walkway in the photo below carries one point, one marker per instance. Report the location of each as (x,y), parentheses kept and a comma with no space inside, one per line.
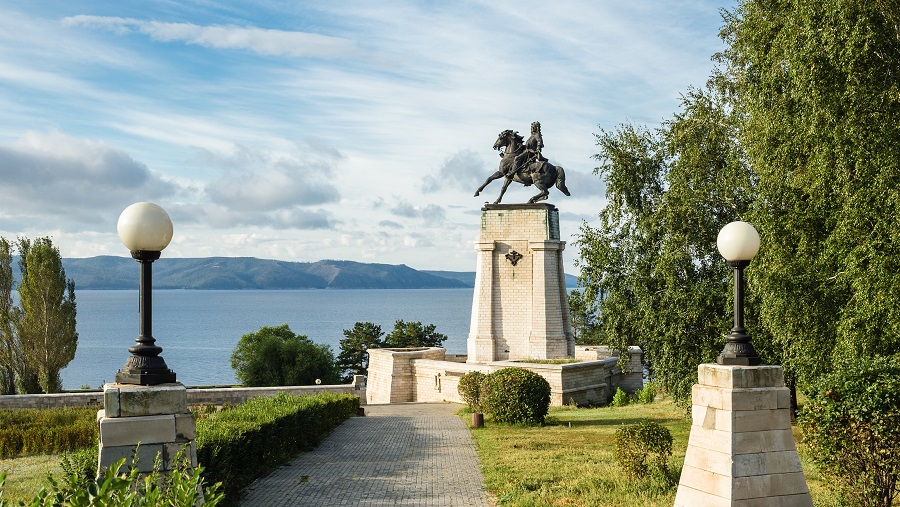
(411,454)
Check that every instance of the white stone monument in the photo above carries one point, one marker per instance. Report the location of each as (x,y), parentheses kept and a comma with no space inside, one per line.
(520,308)
(741,450)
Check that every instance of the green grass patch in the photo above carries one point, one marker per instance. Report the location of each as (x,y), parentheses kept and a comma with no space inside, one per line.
(26,475)
(570,461)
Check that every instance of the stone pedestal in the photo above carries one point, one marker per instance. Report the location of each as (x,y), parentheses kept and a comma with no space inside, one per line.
(741,450)
(154,416)
(520,307)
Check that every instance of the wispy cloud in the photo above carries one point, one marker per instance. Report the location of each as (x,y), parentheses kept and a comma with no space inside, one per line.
(257,40)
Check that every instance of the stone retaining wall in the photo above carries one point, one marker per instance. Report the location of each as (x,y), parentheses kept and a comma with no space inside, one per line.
(213,396)
(423,375)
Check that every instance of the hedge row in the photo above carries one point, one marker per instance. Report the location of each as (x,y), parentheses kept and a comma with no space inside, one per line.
(46,431)
(243,443)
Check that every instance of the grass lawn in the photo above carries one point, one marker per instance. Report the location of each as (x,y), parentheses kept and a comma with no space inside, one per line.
(26,475)
(570,462)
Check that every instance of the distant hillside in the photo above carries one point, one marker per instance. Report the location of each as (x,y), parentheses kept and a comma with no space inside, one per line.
(468,277)
(228,273)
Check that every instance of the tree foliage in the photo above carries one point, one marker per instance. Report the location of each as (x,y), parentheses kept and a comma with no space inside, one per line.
(38,338)
(414,334)
(819,88)
(797,132)
(651,264)
(354,358)
(275,356)
(583,311)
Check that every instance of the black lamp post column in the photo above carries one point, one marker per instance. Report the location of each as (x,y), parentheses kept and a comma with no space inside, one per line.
(738,349)
(145,366)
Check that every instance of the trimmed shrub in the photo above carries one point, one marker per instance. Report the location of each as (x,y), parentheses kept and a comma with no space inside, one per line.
(515,395)
(635,443)
(621,398)
(851,427)
(25,432)
(469,389)
(250,440)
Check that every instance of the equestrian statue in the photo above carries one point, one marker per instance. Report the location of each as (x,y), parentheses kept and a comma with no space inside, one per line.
(521,161)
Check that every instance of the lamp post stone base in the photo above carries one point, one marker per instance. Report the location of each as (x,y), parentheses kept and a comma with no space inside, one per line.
(156,417)
(741,449)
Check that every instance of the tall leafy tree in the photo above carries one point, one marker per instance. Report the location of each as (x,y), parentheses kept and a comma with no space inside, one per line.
(46,324)
(652,262)
(414,334)
(354,358)
(12,361)
(819,86)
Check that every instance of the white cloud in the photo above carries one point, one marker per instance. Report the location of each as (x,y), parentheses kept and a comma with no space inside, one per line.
(59,179)
(258,40)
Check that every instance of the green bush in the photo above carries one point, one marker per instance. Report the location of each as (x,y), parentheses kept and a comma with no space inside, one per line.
(647,394)
(81,466)
(851,427)
(635,443)
(25,432)
(621,398)
(470,389)
(250,440)
(181,486)
(515,395)
(275,356)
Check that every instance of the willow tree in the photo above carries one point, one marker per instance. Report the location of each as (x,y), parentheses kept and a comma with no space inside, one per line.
(818,82)
(45,321)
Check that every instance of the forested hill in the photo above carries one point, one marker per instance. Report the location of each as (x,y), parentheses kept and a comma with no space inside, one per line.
(229,273)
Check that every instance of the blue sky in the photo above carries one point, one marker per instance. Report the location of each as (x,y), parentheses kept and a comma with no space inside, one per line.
(321,130)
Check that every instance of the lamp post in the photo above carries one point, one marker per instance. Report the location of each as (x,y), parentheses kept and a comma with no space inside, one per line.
(738,243)
(146,230)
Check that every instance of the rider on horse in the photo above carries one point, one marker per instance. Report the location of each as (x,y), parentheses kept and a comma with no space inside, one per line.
(532,151)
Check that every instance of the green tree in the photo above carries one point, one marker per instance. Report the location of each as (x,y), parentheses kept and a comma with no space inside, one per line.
(651,265)
(275,356)
(414,334)
(819,92)
(38,337)
(354,357)
(583,311)
(46,323)
(11,358)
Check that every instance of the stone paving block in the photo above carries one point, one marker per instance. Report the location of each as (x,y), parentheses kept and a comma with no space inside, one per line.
(414,460)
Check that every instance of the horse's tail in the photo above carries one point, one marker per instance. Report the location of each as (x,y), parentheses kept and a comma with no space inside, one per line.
(561,180)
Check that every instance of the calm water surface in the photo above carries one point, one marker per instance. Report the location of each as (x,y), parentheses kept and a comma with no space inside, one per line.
(198,329)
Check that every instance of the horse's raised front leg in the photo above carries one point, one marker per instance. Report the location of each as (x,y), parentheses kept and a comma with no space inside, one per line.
(503,190)
(491,178)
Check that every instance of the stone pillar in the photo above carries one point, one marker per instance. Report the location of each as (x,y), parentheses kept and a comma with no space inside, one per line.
(741,449)
(154,416)
(481,341)
(520,307)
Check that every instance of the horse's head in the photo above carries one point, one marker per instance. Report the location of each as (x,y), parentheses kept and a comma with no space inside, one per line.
(507,138)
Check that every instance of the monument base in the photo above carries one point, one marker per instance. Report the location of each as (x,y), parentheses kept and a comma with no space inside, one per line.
(741,449)
(156,417)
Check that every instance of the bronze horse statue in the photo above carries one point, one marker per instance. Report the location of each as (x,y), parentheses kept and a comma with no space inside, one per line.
(534,171)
